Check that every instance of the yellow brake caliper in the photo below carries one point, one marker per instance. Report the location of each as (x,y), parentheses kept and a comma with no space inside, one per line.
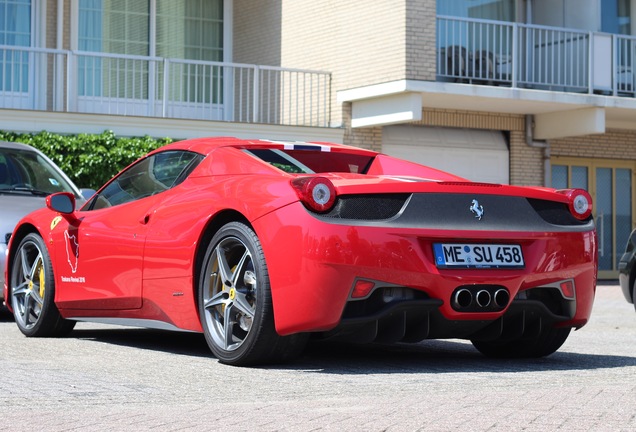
(42,281)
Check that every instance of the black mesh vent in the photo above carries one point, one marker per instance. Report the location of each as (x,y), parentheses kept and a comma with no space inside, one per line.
(555,213)
(368,207)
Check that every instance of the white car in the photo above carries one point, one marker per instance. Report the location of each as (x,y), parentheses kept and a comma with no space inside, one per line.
(27,176)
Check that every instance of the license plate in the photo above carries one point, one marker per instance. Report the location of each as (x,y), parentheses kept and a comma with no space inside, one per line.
(461,255)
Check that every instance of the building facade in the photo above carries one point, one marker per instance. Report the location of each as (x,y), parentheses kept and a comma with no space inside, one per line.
(526,92)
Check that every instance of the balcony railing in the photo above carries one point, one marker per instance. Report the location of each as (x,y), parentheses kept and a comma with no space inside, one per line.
(72,81)
(533,56)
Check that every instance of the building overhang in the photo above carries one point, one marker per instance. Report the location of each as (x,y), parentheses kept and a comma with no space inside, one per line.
(557,114)
(74,123)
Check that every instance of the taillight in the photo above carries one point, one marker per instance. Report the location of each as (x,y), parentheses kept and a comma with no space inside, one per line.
(316,193)
(580,203)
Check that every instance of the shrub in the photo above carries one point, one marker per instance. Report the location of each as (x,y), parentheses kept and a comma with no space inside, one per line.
(88,159)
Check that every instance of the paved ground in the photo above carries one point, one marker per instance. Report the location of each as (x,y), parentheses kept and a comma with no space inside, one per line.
(115,379)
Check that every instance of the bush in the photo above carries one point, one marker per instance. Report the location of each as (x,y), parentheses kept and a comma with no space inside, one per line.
(89,160)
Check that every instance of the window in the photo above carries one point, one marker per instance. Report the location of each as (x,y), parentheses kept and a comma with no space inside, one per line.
(175,29)
(498,10)
(313,161)
(15,30)
(149,176)
(616,16)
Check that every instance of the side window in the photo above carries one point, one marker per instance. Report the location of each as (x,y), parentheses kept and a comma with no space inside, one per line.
(147,177)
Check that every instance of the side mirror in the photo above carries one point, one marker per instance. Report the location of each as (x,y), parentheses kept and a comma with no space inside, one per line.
(63,202)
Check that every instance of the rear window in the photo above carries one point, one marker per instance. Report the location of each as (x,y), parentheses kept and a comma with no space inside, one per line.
(313,161)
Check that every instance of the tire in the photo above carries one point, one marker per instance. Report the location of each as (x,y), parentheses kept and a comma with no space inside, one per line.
(634,293)
(235,303)
(546,343)
(32,291)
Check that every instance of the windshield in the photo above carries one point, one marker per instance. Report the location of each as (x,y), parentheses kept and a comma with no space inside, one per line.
(25,171)
(313,161)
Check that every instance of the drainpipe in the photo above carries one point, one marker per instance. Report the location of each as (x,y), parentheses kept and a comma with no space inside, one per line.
(543,144)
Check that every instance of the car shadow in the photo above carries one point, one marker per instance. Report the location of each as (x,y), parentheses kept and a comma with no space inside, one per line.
(183,343)
(5,315)
(441,356)
(430,356)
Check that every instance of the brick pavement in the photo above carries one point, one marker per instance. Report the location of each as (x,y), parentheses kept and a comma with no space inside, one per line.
(105,378)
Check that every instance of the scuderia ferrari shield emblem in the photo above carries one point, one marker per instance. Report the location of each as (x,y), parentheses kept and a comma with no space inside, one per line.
(477,209)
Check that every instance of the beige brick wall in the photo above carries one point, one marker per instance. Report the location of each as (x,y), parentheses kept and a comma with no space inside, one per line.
(527,166)
(257,32)
(359,42)
(420,39)
(614,144)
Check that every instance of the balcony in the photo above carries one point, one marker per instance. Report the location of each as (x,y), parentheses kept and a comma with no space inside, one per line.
(572,82)
(535,57)
(86,82)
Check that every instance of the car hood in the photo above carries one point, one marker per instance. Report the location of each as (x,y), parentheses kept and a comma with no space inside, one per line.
(15,207)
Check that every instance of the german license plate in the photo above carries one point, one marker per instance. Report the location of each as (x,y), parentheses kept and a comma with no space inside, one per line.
(461,255)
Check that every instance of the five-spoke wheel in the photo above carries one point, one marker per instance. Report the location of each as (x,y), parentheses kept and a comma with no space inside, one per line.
(32,291)
(235,301)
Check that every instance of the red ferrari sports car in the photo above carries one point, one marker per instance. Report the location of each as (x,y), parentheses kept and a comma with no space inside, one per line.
(261,244)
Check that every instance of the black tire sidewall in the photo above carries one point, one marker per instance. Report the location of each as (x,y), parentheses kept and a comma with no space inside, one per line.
(251,350)
(49,315)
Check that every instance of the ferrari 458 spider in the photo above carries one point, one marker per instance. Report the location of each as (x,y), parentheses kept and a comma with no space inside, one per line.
(261,244)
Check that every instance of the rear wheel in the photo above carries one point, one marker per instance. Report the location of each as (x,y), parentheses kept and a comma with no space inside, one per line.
(33,291)
(547,342)
(235,301)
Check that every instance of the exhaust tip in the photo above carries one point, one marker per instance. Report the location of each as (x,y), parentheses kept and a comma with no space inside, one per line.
(483,298)
(501,298)
(463,298)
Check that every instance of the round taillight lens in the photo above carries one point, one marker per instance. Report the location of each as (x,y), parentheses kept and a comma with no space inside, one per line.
(580,203)
(316,193)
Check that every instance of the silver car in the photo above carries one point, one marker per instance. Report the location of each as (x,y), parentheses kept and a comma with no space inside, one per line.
(27,176)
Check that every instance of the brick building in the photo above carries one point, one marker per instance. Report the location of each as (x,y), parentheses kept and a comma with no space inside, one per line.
(526,92)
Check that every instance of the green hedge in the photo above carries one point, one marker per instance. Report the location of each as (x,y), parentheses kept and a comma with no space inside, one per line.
(88,159)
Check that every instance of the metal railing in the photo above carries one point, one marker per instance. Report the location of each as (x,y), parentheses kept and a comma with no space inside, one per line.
(88,82)
(532,56)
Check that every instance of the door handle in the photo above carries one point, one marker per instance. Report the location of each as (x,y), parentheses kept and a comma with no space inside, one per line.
(144,220)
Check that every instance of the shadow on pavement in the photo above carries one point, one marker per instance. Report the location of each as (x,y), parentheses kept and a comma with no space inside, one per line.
(5,315)
(431,356)
(441,356)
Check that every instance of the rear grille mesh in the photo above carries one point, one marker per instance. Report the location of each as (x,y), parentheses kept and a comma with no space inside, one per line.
(555,213)
(368,207)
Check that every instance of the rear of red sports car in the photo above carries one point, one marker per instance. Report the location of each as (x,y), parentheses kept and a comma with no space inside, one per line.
(258,244)
(381,258)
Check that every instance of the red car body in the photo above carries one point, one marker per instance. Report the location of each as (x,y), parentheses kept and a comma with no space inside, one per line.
(381,262)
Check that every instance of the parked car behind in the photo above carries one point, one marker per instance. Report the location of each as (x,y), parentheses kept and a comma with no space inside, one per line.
(27,176)
(627,270)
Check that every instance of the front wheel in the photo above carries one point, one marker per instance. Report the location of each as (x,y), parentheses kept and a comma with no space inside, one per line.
(32,294)
(235,303)
(547,342)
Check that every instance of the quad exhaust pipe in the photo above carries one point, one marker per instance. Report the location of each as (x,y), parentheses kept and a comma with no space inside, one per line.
(480,298)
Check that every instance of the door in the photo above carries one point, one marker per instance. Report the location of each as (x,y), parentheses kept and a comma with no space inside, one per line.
(610,182)
(99,259)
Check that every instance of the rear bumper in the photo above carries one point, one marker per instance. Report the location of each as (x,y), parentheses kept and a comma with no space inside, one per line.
(314,265)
